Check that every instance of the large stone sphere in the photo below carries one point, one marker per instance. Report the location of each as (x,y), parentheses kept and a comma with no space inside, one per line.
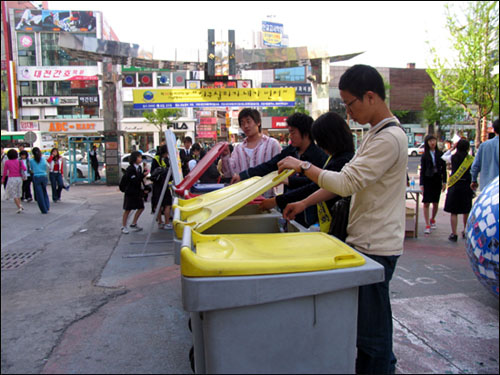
(482,237)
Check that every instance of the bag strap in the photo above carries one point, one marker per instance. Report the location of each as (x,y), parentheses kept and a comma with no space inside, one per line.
(389,125)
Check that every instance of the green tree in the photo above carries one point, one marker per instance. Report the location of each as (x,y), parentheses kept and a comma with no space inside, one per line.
(285,111)
(467,80)
(162,116)
(441,115)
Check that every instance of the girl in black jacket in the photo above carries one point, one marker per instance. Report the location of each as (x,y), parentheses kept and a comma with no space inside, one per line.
(133,199)
(432,180)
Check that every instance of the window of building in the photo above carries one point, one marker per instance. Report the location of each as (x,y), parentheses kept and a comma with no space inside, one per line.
(61,88)
(297,74)
(53,55)
(28,88)
(130,112)
(73,112)
(26,49)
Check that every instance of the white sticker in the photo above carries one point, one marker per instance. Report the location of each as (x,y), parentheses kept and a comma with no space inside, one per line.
(482,225)
(490,219)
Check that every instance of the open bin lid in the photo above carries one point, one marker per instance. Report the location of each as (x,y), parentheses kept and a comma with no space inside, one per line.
(213,196)
(261,254)
(205,216)
(201,167)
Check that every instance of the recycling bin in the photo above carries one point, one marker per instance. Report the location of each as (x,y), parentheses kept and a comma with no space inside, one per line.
(211,213)
(273,303)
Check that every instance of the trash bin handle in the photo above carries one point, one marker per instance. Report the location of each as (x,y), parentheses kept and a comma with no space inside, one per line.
(186,237)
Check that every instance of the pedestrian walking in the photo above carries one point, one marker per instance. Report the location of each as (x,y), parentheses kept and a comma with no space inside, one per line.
(14,169)
(460,195)
(26,196)
(486,161)
(4,159)
(39,166)
(134,197)
(94,162)
(159,171)
(432,180)
(376,180)
(56,171)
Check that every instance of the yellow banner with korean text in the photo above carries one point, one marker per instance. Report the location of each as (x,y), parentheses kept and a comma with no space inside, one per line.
(222,97)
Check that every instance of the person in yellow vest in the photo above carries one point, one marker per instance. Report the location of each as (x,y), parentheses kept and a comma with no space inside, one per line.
(459,196)
(158,177)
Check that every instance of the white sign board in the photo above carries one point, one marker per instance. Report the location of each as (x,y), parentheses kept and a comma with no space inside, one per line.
(57,73)
(173,154)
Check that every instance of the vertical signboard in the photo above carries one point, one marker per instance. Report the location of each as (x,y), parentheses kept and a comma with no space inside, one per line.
(272,34)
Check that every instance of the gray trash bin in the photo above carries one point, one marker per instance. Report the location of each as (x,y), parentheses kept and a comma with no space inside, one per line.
(303,322)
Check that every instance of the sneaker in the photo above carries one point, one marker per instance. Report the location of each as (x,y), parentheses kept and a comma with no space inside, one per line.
(125,230)
(453,238)
(67,187)
(427,229)
(135,227)
(433,224)
(167,226)
(20,210)
(30,199)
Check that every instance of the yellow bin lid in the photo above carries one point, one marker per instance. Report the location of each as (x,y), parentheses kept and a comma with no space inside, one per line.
(261,254)
(210,213)
(192,204)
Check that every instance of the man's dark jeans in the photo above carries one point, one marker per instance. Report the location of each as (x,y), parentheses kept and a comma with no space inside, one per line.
(374,341)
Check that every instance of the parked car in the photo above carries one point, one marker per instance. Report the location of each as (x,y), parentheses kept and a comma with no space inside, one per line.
(152,152)
(417,150)
(82,169)
(146,157)
(78,155)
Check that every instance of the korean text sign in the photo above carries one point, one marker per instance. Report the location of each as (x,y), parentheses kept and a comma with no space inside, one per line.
(185,98)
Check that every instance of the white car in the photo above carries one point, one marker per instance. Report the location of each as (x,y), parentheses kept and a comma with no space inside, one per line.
(147,158)
(416,151)
(82,169)
(78,155)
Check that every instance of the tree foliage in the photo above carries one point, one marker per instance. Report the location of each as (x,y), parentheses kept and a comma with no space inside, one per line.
(162,116)
(467,80)
(441,114)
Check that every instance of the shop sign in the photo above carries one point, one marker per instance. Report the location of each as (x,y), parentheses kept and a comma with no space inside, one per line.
(55,20)
(208,120)
(41,101)
(88,100)
(207,134)
(26,126)
(272,33)
(57,73)
(83,126)
(279,122)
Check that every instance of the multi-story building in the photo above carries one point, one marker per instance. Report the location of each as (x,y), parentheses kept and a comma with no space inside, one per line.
(50,92)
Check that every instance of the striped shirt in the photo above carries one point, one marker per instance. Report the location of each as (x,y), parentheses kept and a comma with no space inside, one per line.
(241,159)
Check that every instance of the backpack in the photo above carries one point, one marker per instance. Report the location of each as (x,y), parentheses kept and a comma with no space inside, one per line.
(124,182)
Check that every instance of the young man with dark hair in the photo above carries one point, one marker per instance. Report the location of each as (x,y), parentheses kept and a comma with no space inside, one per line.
(376,180)
(186,155)
(302,147)
(486,161)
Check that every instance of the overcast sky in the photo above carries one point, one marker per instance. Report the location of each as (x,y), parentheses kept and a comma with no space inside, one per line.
(392,34)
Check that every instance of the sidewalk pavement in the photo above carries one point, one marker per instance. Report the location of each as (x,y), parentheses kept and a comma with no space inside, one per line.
(444,320)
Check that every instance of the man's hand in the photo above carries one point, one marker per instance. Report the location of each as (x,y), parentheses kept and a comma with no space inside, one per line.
(293,209)
(267,204)
(289,163)
(236,178)
(474,186)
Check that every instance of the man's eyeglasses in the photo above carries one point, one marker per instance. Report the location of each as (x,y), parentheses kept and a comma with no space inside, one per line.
(347,106)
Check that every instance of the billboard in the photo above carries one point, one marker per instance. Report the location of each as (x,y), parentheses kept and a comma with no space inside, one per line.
(55,20)
(185,98)
(301,89)
(57,73)
(272,34)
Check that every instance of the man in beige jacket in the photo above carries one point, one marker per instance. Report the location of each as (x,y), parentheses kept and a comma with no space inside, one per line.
(376,180)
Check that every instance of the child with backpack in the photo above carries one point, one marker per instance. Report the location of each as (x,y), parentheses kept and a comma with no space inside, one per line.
(132,185)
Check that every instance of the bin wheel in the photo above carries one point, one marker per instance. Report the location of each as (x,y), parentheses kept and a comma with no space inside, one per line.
(191,358)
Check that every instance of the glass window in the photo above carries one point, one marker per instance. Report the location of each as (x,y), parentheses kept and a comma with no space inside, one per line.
(129,111)
(297,74)
(26,49)
(28,88)
(61,88)
(52,55)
